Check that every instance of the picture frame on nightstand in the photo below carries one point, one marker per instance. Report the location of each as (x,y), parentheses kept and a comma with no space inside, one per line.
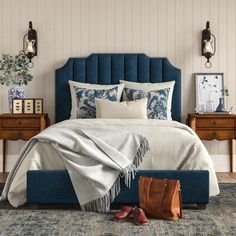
(209,87)
(38,106)
(17,106)
(28,106)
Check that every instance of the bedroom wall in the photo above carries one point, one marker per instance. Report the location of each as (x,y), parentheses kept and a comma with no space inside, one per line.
(165,28)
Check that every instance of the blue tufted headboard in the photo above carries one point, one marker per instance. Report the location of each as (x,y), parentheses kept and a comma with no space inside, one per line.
(109,69)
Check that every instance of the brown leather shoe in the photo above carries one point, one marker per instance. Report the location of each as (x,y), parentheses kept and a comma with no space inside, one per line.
(139,216)
(124,213)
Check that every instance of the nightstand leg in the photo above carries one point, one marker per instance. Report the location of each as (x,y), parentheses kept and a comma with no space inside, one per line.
(231,153)
(4,156)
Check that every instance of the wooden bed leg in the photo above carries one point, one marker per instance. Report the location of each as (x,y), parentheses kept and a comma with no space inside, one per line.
(201,206)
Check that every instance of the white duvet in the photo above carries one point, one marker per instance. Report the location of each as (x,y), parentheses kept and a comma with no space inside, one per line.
(173,146)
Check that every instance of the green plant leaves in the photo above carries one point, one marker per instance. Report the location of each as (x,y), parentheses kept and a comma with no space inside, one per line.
(14,69)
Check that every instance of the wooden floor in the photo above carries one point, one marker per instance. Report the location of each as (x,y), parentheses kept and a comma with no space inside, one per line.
(223,177)
(226,177)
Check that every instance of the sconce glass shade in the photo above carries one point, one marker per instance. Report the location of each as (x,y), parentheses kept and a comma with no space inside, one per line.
(30,46)
(208,47)
(208,44)
(30,42)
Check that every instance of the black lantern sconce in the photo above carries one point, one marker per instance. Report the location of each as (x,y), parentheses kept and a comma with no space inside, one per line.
(208,44)
(30,43)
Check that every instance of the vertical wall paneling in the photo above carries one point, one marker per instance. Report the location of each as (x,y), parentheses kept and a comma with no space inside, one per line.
(110,25)
(67,28)
(119,26)
(145,22)
(231,49)
(164,28)
(223,53)
(179,33)
(75,25)
(136,23)
(128,14)
(171,27)
(58,32)
(188,87)
(50,51)
(95,32)
(153,6)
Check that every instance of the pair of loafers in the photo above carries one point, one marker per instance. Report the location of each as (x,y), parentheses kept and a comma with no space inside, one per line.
(129,212)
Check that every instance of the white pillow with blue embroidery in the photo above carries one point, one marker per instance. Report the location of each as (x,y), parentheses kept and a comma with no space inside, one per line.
(157,101)
(147,87)
(86,100)
(83,97)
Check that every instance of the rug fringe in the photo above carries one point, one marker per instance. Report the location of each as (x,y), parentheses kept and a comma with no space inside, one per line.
(103,203)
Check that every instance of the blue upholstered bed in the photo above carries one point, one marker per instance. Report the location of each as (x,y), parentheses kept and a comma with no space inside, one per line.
(48,187)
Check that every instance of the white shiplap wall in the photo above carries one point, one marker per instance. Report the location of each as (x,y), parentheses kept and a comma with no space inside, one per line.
(169,28)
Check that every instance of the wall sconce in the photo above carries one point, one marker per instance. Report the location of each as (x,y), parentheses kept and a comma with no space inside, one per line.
(208,44)
(30,43)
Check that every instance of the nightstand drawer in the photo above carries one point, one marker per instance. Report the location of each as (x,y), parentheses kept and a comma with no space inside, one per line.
(10,123)
(10,134)
(211,123)
(16,134)
(215,134)
(20,123)
(29,123)
(26,135)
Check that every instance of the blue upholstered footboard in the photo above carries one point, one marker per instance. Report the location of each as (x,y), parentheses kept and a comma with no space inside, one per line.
(55,187)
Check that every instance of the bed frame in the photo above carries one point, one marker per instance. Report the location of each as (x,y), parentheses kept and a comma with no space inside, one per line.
(47,187)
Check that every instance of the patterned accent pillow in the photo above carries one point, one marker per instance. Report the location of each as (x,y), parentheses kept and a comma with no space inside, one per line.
(86,100)
(157,101)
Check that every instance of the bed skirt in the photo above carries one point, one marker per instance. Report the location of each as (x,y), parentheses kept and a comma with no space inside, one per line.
(55,187)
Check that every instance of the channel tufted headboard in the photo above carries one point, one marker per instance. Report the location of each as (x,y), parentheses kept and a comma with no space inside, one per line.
(109,69)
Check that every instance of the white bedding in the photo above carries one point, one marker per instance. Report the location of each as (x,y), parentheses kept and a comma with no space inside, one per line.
(173,146)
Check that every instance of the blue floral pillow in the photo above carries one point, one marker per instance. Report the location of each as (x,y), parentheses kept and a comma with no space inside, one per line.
(157,101)
(86,100)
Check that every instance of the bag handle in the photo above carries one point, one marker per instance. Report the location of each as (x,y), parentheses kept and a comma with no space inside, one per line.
(162,188)
(148,188)
(180,200)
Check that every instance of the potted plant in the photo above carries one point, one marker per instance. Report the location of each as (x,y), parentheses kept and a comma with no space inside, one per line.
(14,72)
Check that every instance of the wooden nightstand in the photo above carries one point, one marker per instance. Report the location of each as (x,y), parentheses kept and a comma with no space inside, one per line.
(14,127)
(219,127)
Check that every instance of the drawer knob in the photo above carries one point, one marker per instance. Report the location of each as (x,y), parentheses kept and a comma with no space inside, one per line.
(214,134)
(214,123)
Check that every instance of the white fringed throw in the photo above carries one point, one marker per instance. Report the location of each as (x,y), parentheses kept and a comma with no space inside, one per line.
(95,158)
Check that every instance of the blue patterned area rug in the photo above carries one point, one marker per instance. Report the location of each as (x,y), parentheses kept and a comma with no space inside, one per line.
(218,219)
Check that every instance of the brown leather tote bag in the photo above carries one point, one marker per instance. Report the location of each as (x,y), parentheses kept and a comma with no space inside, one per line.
(160,198)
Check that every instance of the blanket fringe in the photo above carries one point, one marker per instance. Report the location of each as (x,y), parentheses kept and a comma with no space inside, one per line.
(103,203)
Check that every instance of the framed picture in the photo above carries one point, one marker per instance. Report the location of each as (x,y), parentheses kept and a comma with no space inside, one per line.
(209,88)
(38,106)
(17,106)
(28,106)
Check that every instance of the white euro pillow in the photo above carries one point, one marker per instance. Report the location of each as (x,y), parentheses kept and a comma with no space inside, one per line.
(75,84)
(121,110)
(147,87)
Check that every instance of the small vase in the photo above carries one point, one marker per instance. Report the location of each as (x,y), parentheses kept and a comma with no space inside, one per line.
(221,107)
(210,106)
(16,91)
